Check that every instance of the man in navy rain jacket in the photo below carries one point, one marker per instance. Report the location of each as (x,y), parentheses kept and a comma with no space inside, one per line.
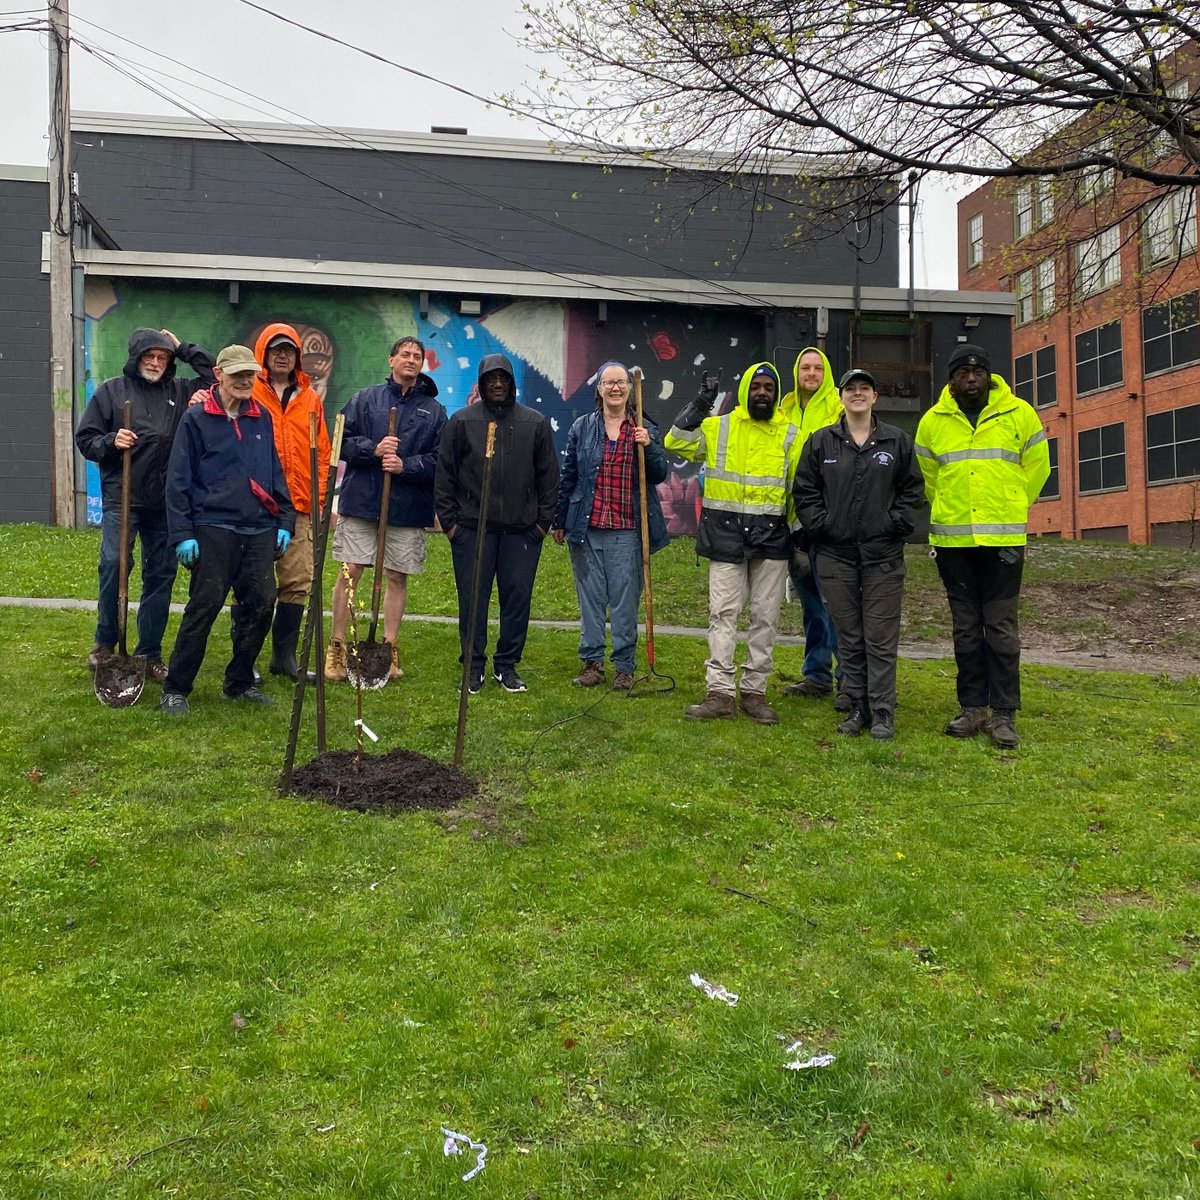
(229,514)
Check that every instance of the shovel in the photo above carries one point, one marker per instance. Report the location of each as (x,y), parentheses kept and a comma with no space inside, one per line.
(120,679)
(369,664)
(668,682)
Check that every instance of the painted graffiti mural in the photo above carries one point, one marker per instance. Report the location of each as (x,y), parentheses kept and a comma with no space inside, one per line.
(555,348)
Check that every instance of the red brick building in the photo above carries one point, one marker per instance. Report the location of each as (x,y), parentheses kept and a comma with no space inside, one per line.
(1106,343)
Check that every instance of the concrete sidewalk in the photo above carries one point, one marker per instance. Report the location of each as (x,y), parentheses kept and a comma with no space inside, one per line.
(1085,660)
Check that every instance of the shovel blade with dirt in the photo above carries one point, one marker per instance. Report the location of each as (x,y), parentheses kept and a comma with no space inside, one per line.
(121,677)
(369,663)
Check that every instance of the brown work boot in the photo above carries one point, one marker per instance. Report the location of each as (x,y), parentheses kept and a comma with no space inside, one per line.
(1004,728)
(755,706)
(623,682)
(968,723)
(156,672)
(98,656)
(713,706)
(592,675)
(335,661)
(395,671)
(809,688)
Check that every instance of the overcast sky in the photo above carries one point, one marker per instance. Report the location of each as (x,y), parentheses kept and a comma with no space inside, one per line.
(286,74)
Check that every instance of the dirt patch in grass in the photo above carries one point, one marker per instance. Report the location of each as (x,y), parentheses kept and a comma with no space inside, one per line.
(399,781)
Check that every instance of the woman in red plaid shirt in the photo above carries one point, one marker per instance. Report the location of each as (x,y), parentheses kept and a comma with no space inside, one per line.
(599,517)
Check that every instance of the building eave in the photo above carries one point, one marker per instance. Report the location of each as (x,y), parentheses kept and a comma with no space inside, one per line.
(529,284)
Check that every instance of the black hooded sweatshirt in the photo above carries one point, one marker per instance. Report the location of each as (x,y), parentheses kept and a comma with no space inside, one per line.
(157,408)
(524,482)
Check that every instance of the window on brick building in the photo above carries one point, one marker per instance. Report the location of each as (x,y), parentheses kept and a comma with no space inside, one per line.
(1023,210)
(1177,96)
(1171,333)
(1098,261)
(1102,458)
(1173,444)
(1169,227)
(1095,181)
(1098,360)
(974,240)
(1044,287)
(1050,487)
(1023,291)
(1034,292)
(1043,202)
(1035,377)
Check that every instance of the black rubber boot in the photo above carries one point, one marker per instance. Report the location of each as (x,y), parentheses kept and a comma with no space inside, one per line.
(285,633)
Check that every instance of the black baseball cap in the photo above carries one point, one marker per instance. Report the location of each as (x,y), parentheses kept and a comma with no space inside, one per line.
(857,373)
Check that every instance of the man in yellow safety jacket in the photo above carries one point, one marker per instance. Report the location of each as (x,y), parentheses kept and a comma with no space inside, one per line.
(984,456)
(812,404)
(750,457)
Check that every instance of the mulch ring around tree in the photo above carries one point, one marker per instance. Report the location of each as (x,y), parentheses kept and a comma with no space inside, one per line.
(400,781)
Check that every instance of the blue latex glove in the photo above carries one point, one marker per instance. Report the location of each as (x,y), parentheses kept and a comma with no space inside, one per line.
(188,552)
(283,540)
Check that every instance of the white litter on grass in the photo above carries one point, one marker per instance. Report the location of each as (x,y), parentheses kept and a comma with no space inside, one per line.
(451,1146)
(714,991)
(326,1128)
(362,725)
(818,1060)
(409,1023)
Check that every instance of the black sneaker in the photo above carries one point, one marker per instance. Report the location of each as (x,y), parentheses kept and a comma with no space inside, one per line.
(174,703)
(250,696)
(475,683)
(509,680)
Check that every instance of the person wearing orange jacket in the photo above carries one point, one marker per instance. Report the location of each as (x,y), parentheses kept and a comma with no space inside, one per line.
(286,392)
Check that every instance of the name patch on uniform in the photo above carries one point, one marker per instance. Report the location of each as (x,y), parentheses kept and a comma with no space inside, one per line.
(829,460)
(883,457)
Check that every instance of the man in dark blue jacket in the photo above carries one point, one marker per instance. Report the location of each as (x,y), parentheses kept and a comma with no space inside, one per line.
(522,497)
(158,399)
(229,515)
(410,457)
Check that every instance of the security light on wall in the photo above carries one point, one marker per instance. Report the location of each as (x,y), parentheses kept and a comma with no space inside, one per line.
(469,308)
(970,322)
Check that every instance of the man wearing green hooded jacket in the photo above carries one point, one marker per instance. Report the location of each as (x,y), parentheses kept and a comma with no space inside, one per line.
(747,520)
(812,404)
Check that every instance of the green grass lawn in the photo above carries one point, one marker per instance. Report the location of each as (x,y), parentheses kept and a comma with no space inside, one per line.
(210,991)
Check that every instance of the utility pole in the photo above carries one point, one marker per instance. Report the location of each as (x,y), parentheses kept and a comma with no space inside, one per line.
(58,177)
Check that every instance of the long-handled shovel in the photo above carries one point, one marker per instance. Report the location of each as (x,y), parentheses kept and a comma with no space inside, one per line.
(120,679)
(369,664)
(647,584)
(316,601)
(468,649)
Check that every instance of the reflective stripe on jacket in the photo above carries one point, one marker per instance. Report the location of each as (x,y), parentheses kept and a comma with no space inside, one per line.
(749,467)
(981,481)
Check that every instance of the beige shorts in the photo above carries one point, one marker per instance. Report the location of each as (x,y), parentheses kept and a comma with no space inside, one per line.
(354,542)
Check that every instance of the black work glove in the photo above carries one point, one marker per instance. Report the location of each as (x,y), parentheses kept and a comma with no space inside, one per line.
(706,397)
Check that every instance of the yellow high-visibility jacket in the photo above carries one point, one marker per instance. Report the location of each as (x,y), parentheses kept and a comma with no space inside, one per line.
(824,406)
(749,467)
(982,481)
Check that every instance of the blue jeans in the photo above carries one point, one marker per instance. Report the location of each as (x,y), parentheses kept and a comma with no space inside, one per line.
(158,577)
(820,641)
(607,566)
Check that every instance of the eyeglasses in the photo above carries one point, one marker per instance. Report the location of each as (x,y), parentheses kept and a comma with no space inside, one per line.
(614,385)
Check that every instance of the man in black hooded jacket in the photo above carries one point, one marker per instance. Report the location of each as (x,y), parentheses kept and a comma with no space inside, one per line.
(523,494)
(159,399)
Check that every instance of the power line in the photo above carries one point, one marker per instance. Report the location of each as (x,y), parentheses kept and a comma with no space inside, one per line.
(444,232)
(111,59)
